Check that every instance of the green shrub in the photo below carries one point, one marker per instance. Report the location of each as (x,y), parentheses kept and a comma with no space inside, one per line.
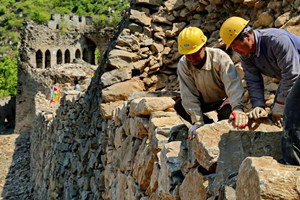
(100,21)
(98,56)
(40,16)
(8,76)
(15,24)
(61,10)
(2,10)
(63,27)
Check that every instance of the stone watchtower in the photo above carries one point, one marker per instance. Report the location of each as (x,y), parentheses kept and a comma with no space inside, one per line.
(44,47)
(57,43)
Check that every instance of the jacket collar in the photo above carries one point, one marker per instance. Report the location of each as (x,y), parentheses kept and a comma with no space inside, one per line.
(207,64)
(257,37)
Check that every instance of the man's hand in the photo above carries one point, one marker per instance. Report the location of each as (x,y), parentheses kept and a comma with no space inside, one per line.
(192,130)
(277,112)
(258,112)
(240,118)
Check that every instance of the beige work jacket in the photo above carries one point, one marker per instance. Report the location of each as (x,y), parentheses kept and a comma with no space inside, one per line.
(216,80)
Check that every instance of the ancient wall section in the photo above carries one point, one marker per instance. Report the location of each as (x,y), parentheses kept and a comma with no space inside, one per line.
(47,57)
(48,47)
(45,48)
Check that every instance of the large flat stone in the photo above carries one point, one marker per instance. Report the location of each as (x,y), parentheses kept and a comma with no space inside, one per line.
(121,91)
(235,146)
(206,147)
(147,105)
(265,178)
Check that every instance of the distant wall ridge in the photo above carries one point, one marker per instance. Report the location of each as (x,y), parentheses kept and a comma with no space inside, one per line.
(74,21)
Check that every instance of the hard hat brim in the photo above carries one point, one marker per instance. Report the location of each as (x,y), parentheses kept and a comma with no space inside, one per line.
(191,51)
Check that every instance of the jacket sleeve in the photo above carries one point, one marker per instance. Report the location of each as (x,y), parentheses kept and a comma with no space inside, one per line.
(288,60)
(189,93)
(255,83)
(232,82)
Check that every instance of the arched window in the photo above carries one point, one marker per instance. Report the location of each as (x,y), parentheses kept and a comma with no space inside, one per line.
(85,56)
(89,51)
(67,56)
(77,54)
(47,59)
(39,59)
(59,57)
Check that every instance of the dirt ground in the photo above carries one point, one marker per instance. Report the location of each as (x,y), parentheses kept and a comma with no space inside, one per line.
(14,165)
(7,148)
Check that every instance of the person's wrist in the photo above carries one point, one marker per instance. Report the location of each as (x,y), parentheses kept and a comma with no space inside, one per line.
(199,123)
(237,110)
(239,107)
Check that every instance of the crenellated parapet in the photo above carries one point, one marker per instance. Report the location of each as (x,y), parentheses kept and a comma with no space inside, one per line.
(72,21)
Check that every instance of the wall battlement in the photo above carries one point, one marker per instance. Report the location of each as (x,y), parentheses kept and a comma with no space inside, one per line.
(73,21)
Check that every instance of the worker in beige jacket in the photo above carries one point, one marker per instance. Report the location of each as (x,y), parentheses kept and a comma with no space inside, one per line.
(208,81)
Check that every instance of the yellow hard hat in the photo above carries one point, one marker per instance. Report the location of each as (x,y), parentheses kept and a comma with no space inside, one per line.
(190,40)
(231,28)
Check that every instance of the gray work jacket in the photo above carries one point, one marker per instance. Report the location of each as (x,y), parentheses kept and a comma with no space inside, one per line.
(277,55)
(216,80)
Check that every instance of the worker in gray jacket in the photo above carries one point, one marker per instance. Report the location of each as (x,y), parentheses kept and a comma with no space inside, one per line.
(272,52)
(208,81)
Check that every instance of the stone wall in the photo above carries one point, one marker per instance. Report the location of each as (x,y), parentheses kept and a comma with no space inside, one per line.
(121,139)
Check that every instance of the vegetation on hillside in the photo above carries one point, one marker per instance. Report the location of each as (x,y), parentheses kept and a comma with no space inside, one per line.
(8,76)
(13,12)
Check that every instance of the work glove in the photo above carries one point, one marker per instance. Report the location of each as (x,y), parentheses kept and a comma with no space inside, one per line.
(276,113)
(257,112)
(240,118)
(192,130)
